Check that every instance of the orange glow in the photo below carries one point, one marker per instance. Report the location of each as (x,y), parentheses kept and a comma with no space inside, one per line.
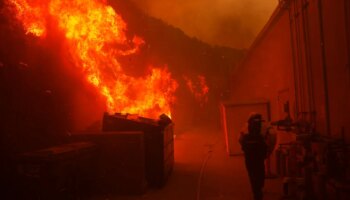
(198,88)
(95,35)
(32,18)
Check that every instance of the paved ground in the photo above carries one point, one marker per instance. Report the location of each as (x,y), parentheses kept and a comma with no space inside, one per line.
(203,171)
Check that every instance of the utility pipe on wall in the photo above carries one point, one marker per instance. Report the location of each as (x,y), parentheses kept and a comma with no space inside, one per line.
(324,68)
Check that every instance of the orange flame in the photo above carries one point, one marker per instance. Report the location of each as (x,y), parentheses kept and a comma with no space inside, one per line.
(199,88)
(95,37)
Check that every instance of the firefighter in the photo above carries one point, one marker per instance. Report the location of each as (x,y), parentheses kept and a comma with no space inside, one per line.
(255,151)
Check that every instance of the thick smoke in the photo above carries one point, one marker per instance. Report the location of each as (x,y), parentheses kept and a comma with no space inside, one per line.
(233,23)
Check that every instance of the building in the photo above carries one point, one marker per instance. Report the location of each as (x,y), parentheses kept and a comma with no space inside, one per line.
(299,63)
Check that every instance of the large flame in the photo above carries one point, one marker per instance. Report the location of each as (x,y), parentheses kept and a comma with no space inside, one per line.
(95,35)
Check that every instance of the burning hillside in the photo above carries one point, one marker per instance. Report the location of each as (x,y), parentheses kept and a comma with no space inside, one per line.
(81,58)
(95,36)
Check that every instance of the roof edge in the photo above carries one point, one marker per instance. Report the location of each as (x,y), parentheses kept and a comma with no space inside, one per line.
(278,12)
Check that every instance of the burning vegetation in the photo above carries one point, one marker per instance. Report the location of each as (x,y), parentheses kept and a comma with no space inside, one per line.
(95,37)
(82,58)
(198,88)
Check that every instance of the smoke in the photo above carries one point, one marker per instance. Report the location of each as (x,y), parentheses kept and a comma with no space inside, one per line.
(233,23)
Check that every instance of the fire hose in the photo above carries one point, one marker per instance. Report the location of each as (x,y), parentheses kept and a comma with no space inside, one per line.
(204,164)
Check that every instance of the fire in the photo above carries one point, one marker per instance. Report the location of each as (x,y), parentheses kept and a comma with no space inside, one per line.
(198,88)
(32,18)
(95,35)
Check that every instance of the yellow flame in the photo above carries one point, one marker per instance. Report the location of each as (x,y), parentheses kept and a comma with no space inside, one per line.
(92,31)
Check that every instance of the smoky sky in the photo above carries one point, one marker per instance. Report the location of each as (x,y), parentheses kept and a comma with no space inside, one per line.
(233,23)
